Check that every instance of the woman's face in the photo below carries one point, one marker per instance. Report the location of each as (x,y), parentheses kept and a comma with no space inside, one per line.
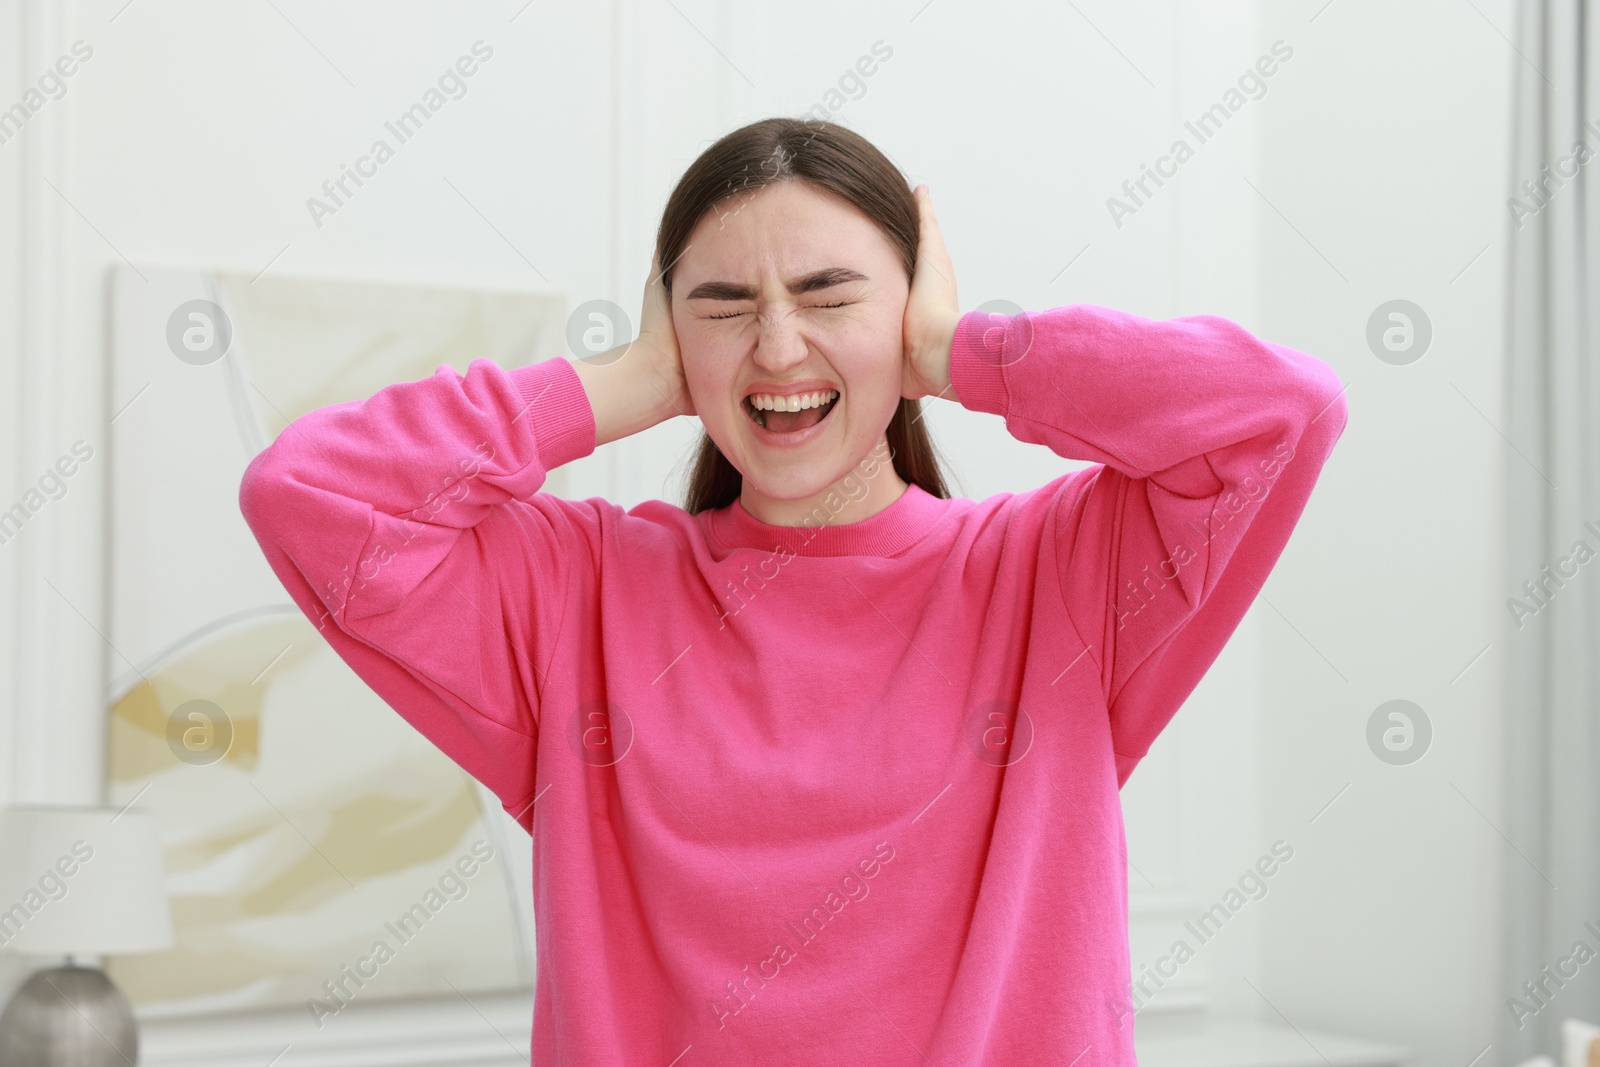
(790,291)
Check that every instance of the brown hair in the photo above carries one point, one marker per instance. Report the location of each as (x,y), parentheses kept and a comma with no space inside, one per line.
(842,162)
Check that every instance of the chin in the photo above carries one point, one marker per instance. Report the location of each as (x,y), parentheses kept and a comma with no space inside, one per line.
(791,485)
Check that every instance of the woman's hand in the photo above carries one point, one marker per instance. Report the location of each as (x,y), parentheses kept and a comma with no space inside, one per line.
(931,310)
(663,360)
(639,383)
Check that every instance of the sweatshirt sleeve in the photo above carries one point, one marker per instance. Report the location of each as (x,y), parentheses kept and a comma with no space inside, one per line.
(1205,443)
(409,527)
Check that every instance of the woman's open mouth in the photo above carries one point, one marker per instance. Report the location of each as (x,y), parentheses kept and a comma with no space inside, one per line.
(790,414)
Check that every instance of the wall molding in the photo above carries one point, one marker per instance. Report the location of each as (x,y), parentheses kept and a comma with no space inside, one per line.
(55,708)
(30,378)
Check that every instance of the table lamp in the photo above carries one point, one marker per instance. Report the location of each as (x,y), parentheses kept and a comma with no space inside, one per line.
(77,881)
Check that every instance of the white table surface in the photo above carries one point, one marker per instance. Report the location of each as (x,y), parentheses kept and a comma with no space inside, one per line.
(1220,1044)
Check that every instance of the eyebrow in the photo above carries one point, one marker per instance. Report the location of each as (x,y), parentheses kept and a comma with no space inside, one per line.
(822,279)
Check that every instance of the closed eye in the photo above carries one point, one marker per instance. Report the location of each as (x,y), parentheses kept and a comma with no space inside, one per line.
(736,314)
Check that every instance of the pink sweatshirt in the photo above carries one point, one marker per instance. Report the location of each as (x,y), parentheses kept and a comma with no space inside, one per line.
(819,794)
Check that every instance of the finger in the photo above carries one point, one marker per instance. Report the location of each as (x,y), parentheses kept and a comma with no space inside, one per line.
(925,208)
(931,240)
(933,256)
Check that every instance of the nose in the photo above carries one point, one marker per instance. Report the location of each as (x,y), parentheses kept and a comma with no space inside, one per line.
(780,344)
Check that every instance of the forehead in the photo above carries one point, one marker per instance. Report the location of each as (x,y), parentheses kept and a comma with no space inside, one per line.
(785,227)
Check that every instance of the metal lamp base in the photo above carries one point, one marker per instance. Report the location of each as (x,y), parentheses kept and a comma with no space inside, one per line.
(68,1017)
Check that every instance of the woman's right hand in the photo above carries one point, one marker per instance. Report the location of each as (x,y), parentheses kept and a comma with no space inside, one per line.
(659,339)
(639,383)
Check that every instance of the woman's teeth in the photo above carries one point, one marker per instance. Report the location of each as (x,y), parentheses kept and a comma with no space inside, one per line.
(784,409)
(771,402)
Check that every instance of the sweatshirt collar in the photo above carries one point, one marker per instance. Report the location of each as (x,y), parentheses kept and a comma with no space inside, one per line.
(904,522)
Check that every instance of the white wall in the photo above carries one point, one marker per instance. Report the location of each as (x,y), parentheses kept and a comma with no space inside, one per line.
(197,131)
(1389,153)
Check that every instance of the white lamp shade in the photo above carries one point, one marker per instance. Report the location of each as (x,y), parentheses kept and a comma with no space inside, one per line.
(82,880)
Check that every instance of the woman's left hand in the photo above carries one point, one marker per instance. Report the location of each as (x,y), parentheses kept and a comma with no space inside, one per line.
(931,310)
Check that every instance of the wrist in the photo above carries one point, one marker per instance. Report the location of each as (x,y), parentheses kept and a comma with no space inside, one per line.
(976,360)
(623,393)
(937,360)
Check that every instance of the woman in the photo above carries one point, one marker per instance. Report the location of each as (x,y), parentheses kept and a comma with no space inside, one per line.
(826,763)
